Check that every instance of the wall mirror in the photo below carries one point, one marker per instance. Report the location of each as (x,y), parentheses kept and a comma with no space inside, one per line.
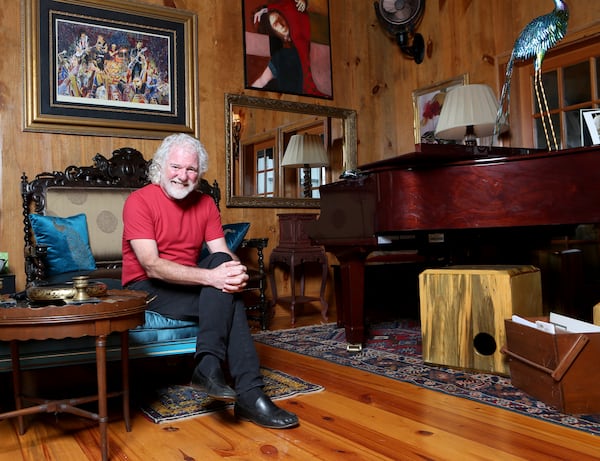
(258,131)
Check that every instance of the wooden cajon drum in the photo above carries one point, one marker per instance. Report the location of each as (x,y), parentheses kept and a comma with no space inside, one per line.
(463,309)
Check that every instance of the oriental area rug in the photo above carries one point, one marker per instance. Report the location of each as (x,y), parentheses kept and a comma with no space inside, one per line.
(177,402)
(393,350)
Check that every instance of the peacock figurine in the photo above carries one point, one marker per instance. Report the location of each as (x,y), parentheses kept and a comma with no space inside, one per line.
(541,34)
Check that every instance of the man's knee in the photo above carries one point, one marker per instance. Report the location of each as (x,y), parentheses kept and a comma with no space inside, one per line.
(214,260)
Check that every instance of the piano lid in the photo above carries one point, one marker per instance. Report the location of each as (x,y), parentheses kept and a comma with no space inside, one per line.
(436,155)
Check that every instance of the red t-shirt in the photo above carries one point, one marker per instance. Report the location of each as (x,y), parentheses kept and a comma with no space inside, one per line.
(179,227)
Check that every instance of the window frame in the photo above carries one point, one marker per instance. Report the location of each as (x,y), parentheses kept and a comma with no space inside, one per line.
(267,171)
(522,115)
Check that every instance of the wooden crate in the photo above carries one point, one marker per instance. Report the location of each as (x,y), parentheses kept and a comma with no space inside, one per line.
(463,309)
(560,370)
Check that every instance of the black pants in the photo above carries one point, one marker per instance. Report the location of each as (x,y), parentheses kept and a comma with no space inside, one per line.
(223,326)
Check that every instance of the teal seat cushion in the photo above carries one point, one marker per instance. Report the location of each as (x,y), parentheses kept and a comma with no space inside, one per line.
(234,235)
(67,241)
(158,328)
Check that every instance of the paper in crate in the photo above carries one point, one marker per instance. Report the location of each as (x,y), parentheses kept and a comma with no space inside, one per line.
(556,364)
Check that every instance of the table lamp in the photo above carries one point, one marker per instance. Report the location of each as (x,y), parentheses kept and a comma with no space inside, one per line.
(468,112)
(305,151)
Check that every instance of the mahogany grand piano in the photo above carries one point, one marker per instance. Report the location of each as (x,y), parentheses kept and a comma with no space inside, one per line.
(439,191)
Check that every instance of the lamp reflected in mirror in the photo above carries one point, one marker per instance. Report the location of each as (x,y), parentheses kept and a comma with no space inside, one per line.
(305,151)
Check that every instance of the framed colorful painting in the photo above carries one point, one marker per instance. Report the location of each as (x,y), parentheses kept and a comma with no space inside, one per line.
(287,47)
(427,105)
(109,68)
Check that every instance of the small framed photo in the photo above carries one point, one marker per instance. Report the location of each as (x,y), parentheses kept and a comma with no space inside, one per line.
(287,47)
(427,105)
(109,68)
(590,126)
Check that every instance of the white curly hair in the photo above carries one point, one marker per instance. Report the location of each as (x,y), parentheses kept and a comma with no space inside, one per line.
(162,153)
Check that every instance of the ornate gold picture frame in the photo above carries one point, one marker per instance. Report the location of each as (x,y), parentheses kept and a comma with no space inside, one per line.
(109,68)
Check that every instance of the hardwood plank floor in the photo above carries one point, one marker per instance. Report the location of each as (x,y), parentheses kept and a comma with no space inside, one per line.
(359,416)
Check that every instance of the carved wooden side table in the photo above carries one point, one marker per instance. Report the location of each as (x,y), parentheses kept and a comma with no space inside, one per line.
(295,249)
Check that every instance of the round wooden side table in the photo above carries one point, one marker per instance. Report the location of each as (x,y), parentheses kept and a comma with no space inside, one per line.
(118,311)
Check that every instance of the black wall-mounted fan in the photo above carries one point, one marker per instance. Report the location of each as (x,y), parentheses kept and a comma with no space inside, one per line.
(400,18)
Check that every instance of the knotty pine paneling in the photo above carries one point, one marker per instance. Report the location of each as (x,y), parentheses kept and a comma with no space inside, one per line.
(370,75)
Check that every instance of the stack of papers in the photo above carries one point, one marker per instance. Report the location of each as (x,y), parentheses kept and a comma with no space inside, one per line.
(558,323)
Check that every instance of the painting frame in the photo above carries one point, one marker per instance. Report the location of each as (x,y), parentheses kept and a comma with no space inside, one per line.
(426,115)
(590,126)
(149,92)
(271,64)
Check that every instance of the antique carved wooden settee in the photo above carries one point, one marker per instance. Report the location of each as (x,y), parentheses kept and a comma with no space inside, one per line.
(73,226)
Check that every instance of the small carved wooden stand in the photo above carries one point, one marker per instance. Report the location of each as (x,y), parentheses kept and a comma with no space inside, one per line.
(296,249)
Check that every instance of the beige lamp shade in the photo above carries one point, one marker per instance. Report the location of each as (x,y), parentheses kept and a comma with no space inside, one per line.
(468,109)
(303,150)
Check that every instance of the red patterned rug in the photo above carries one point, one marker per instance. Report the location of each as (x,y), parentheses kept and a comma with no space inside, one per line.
(394,350)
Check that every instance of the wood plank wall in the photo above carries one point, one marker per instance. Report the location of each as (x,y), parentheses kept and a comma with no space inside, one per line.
(369,72)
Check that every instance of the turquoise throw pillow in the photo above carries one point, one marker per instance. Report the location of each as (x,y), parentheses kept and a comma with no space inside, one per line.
(67,241)
(234,235)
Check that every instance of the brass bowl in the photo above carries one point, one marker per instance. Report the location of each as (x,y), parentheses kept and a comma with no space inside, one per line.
(65,292)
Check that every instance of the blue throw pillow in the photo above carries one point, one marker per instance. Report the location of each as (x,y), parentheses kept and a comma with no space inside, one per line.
(67,240)
(234,235)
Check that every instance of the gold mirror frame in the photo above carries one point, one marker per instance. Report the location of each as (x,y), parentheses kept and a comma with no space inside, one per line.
(349,147)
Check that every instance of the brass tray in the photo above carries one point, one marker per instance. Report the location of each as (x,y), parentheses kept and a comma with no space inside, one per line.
(66,292)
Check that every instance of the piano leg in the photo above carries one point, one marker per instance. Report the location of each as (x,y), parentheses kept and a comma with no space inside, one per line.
(351,302)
